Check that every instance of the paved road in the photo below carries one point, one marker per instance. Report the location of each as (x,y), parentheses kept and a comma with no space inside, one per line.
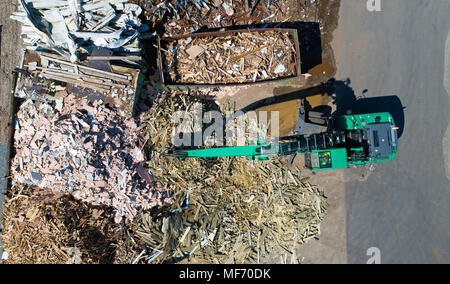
(403,207)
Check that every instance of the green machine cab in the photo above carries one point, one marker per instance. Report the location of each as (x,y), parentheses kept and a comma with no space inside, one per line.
(350,140)
(327,159)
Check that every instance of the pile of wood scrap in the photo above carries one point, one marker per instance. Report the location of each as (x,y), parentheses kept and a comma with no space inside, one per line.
(87,150)
(46,77)
(41,228)
(63,71)
(226,210)
(230,211)
(71,28)
(183,17)
(159,126)
(244,57)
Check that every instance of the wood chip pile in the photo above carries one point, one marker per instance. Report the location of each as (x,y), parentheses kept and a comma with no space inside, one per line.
(243,58)
(40,227)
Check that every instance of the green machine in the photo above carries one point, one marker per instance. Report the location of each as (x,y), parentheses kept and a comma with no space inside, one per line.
(349,140)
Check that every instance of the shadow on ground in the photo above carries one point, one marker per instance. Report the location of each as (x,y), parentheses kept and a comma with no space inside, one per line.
(344,99)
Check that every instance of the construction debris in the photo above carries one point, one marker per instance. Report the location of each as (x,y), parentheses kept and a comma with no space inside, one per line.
(240,217)
(86,150)
(230,57)
(80,75)
(46,77)
(40,227)
(221,211)
(186,16)
(92,185)
(225,210)
(74,27)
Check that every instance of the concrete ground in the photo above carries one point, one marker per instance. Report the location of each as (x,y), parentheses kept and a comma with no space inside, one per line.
(399,55)
(331,247)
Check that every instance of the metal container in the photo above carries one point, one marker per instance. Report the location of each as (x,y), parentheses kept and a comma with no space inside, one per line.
(183,85)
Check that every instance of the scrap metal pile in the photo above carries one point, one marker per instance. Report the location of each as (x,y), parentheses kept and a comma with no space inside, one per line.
(241,58)
(86,150)
(72,28)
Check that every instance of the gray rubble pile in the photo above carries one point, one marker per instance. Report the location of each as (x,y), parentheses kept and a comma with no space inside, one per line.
(74,27)
(86,150)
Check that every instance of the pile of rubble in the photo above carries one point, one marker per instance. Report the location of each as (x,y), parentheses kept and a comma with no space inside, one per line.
(47,77)
(58,70)
(86,150)
(74,27)
(225,210)
(240,58)
(186,16)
